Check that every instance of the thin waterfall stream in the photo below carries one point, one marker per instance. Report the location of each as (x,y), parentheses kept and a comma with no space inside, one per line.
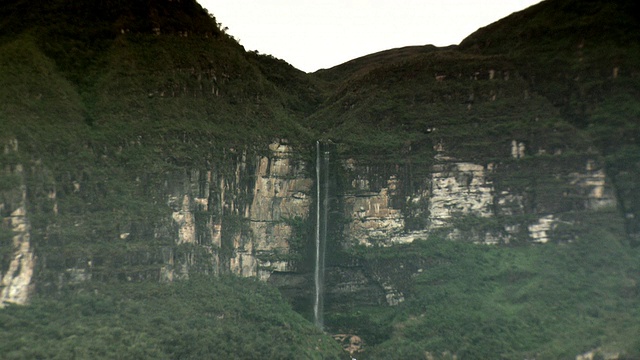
(322,211)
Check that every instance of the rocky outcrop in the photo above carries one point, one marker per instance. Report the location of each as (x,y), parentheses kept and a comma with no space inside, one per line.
(16,280)
(241,216)
(458,190)
(600,354)
(352,286)
(247,213)
(540,231)
(373,217)
(350,343)
(593,186)
(451,190)
(281,192)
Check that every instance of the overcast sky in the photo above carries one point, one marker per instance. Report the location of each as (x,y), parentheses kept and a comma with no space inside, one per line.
(315,34)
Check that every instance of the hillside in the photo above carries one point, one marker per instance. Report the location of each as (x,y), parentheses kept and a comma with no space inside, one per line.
(478,201)
(571,67)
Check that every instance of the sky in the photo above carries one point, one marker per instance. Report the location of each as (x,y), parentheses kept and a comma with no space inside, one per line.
(316,34)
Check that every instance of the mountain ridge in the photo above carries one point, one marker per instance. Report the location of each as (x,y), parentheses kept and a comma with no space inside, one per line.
(141,148)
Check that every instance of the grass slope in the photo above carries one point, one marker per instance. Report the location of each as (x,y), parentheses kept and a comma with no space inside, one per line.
(482,302)
(225,318)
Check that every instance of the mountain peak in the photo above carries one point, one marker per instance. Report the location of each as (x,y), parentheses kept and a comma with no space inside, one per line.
(556,23)
(113,16)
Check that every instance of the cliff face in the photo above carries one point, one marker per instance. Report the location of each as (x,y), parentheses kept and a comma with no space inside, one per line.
(16,280)
(243,217)
(492,184)
(235,217)
(249,215)
(152,150)
(525,204)
(246,209)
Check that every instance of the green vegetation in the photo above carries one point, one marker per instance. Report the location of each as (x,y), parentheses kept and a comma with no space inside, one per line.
(478,302)
(114,108)
(104,117)
(222,318)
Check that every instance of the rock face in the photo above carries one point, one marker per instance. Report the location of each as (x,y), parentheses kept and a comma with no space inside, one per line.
(248,214)
(373,216)
(16,280)
(282,192)
(456,191)
(459,189)
(241,217)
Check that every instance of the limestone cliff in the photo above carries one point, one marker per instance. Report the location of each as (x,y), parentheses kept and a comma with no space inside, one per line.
(241,216)
(152,148)
(16,279)
(247,213)
(508,190)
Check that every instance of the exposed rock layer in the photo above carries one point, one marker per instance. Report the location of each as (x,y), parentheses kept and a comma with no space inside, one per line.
(248,214)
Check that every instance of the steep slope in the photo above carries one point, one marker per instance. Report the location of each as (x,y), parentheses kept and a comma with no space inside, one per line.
(96,120)
(160,49)
(584,56)
(558,77)
(526,132)
(112,113)
(199,318)
(142,144)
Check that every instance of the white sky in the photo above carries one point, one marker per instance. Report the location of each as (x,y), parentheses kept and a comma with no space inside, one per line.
(315,34)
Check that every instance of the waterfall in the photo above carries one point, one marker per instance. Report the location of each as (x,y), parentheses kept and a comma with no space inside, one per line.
(322,211)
